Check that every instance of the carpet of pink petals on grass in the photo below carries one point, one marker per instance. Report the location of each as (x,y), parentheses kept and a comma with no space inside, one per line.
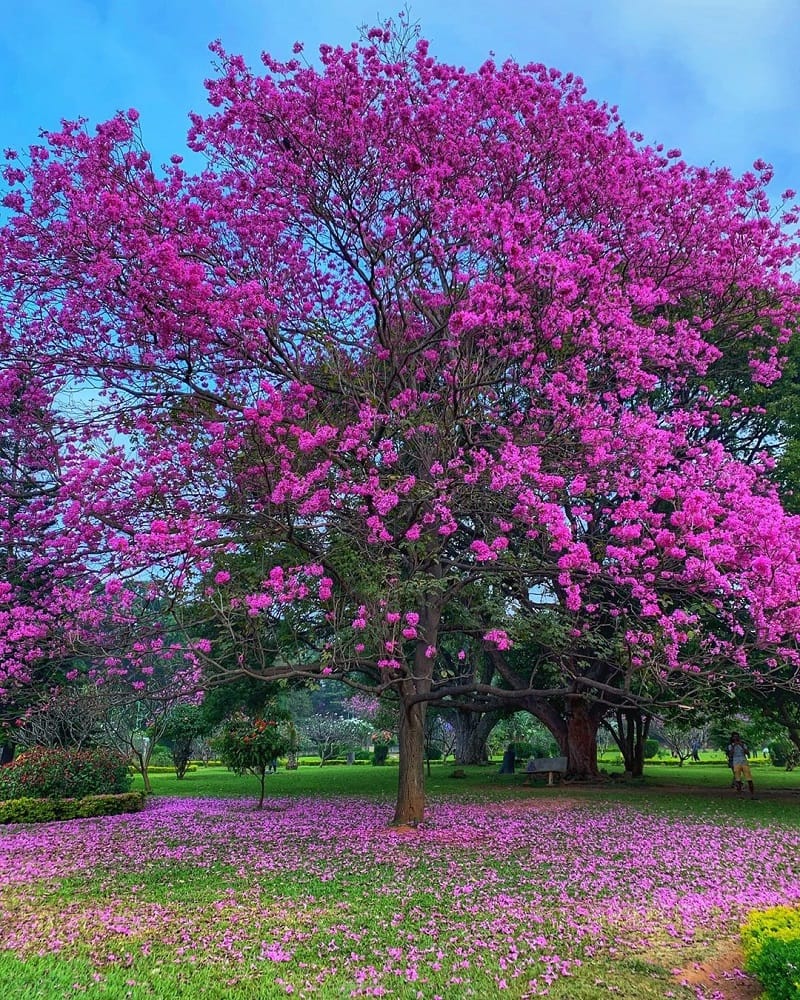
(518,894)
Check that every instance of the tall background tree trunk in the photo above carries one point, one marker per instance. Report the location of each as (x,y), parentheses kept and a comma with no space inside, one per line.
(471,732)
(630,734)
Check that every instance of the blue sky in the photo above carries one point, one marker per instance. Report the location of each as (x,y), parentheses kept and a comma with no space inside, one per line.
(720,79)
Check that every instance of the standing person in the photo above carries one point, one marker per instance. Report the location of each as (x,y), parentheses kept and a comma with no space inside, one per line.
(737,755)
(728,754)
(509,760)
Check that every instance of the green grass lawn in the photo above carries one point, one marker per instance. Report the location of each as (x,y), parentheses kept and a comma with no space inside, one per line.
(575,892)
(695,786)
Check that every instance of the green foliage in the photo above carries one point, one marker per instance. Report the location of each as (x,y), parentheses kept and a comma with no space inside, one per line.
(783,753)
(651,748)
(245,695)
(771,942)
(331,762)
(185,724)
(30,810)
(161,757)
(380,754)
(51,772)
(777,967)
(249,746)
(529,736)
(777,922)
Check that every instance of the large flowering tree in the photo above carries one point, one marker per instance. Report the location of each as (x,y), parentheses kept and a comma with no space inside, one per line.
(433,343)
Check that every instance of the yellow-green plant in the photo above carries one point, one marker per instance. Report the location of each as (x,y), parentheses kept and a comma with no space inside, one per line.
(771,943)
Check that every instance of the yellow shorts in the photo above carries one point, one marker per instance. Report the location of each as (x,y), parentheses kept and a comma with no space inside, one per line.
(742,772)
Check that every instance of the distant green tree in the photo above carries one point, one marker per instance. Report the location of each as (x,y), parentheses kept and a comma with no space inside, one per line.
(185,724)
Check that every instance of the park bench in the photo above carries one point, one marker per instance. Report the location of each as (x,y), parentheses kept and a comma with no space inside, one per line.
(546,765)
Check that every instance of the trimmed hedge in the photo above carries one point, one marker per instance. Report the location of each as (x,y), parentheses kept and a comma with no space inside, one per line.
(54,773)
(771,943)
(330,762)
(28,810)
(162,769)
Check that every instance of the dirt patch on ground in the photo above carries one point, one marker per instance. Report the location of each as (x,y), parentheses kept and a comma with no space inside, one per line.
(721,976)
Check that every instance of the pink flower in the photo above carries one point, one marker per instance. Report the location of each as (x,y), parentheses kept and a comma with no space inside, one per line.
(498,638)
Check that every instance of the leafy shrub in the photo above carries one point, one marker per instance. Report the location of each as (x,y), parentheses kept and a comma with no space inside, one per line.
(783,753)
(651,748)
(28,810)
(331,762)
(54,773)
(543,745)
(771,942)
(776,965)
(380,754)
(161,756)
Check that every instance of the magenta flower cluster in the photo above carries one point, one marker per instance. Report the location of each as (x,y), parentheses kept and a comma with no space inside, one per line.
(522,893)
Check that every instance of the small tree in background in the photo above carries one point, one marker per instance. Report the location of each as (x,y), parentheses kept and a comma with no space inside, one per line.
(249,746)
(185,724)
(680,740)
(331,735)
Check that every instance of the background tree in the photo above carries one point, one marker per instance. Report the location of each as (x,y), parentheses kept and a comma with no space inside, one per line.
(332,735)
(183,726)
(630,729)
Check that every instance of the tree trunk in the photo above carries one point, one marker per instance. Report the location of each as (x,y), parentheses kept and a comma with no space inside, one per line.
(582,726)
(262,775)
(7,752)
(630,736)
(471,732)
(410,806)
(142,763)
